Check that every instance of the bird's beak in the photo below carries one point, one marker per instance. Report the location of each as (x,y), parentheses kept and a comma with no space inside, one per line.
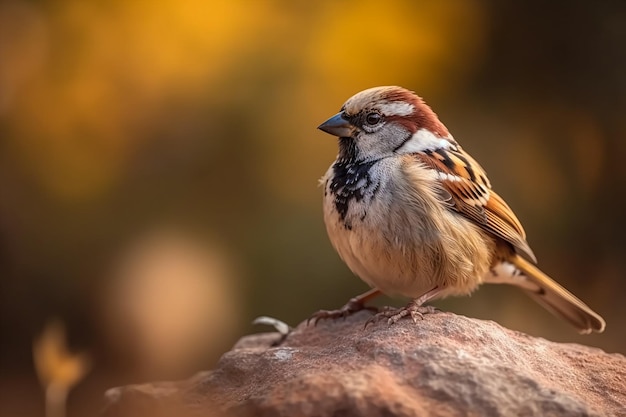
(337,126)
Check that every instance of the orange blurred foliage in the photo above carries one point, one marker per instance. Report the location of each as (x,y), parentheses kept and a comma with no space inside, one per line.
(159,163)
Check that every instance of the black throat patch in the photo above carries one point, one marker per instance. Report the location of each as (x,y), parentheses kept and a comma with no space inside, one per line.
(351,180)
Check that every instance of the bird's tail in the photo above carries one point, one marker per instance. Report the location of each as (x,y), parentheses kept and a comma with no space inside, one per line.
(557,299)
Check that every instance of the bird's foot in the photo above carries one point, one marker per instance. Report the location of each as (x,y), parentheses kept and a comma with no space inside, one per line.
(393,315)
(355,304)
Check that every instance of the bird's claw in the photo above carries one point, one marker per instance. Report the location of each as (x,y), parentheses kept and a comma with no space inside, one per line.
(393,315)
(349,308)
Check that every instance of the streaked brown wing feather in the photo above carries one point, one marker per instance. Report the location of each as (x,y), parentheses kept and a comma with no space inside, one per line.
(471,195)
(505,224)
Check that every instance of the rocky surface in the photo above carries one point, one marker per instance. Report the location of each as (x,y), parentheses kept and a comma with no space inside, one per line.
(445,365)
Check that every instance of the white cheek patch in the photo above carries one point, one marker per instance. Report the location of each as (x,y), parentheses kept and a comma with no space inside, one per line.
(396,108)
(423,140)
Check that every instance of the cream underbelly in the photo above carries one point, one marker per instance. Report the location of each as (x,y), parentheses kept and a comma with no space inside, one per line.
(398,268)
(382,265)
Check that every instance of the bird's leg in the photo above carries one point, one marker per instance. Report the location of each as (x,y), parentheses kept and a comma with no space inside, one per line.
(352,306)
(414,308)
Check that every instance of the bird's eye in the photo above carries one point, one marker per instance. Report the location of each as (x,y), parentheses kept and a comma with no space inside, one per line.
(373,118)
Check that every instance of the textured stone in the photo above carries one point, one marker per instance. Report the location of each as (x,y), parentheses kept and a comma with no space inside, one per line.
(445,365)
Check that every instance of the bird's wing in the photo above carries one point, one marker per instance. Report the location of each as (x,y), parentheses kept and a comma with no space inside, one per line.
(470,194)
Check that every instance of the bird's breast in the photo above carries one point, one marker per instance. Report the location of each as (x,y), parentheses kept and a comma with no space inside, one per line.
(370,229)
(400,240)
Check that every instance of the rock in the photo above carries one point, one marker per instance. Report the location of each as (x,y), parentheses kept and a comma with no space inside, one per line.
(445,365)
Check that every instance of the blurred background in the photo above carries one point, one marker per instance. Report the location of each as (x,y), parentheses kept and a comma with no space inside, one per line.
(159,165)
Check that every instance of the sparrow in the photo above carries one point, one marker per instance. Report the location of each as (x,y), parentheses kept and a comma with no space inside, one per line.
(414,215)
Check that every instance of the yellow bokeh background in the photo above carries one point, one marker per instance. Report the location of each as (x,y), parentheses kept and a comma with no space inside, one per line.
(159,165)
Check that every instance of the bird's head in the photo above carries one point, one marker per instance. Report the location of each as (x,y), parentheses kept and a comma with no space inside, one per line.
(383,121)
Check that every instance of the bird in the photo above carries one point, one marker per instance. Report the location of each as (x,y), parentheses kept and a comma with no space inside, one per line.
(414,215)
